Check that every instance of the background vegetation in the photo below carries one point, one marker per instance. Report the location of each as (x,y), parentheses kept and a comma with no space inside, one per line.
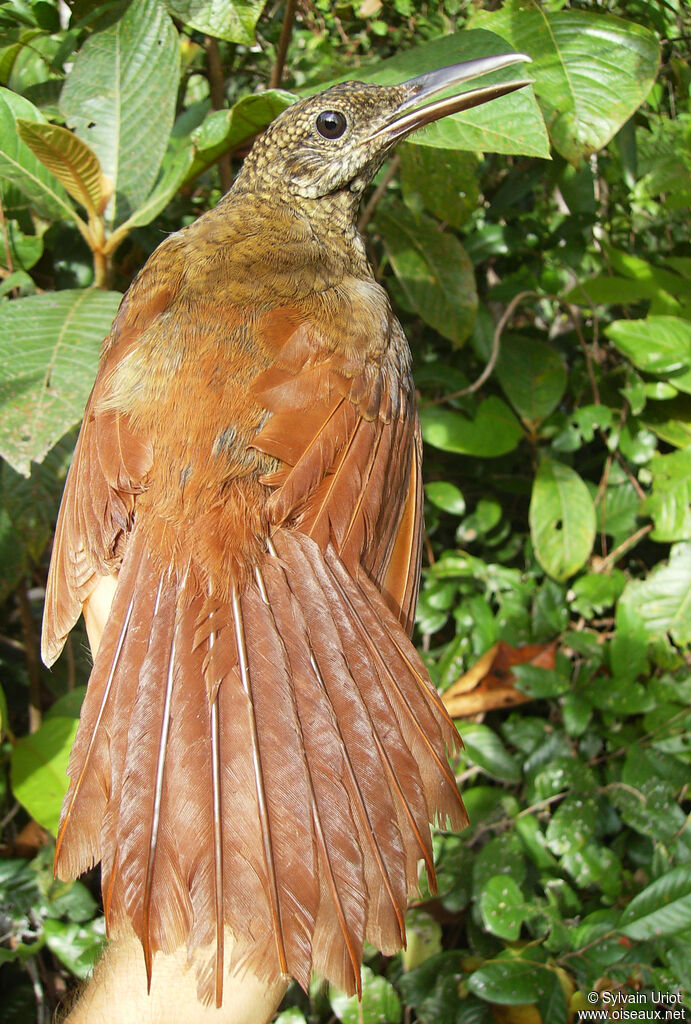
(537,251)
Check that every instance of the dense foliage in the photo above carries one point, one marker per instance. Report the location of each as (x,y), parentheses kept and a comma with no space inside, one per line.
(548,306)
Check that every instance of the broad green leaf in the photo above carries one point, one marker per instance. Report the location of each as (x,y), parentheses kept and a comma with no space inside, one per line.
(484,749)
(29,508)
(670,502)
(380,1004)
(591,70)
(76,945)
(562,519)
(442,181)
(39,770)
(48,355)
(120,99)
(432,989)
(21,167)
(224,130)
(532,375)
(233,20)
(663,908)
(538,682)
(446,496)
(658,344)
(494,431)
(502,855)
(174,172)
(670,421)
(627,654)
(591,594)
(434,274)
(503,907)
(423,939)
(594,865)
(22,251)
(650,808)
(663,600)
(511,981)
(291,1016)
(511,124)
(71,161)
(572,825)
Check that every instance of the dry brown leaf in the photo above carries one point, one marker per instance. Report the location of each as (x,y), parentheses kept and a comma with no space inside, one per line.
(490,683)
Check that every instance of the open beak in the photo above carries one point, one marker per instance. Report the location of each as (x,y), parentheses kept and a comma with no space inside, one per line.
(409,116)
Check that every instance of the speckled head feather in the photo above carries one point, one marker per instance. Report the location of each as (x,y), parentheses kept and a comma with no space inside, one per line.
(336,141)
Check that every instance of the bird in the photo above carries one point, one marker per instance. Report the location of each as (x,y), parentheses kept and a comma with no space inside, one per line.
(260,750)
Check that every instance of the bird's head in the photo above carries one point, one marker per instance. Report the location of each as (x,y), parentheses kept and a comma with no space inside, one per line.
(337,140)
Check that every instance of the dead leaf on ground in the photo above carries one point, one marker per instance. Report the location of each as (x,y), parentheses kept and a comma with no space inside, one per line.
(490,683)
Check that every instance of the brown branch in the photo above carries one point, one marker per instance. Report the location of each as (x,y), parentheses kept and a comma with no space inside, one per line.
(283,43)
(33,665)
(368,212)
(494,354)
(622,548)
(218,101)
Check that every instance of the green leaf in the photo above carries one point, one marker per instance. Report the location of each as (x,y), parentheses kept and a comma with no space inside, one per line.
(433,271)
(658,344)
(380,1004)
(39,770)
(72,162)
(48,355)
(446,496)
(670,501)
(494,431)
(572,825)
(511,124)
(663,600)
(233,20)
(538,682)
(442,181)
(20,250)
(503,907)
(21,167)
(663,908)
(484,748)
(585,93)
(224,130)
(432,989)
(29,509)
(670,421)
(118,75)
(562,519)
(423,939)
(76,945)
(593,593)
(291,1016)
(650,808)
(174,172)
(532,375)
(511,981)
(627,650)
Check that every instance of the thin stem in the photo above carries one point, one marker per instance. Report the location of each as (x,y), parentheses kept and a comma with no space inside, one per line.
(218,102)
(622,548)
(33,666)
(368,212)
(494,354)
(283,44)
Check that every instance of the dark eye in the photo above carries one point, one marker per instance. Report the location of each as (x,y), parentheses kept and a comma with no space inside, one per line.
(331,124)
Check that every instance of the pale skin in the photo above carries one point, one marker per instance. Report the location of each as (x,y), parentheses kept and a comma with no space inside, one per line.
(117,992)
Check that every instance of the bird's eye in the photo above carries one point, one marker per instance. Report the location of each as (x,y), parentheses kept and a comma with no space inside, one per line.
(331,124)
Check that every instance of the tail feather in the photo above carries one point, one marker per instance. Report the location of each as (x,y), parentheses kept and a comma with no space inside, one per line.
(268,765)
(344,684)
